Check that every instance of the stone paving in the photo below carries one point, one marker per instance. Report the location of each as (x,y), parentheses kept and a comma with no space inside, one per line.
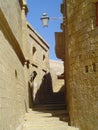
(35,120)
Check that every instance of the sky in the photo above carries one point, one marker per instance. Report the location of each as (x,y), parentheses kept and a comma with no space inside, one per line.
(52,8)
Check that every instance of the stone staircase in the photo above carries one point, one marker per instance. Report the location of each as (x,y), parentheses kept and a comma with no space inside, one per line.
(49,114)
(35,120)
(57,110)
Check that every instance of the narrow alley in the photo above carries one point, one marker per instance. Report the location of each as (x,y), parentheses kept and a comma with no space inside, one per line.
(38,92)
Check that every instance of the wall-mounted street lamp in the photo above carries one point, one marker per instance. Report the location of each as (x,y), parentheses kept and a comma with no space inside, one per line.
(45,19)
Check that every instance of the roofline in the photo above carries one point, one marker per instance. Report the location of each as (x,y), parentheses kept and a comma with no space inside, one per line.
(33,30)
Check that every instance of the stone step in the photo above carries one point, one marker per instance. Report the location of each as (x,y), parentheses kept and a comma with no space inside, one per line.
(42,117)
(39,114)
(46,124)
(48,127)
(55,101)
(50,107)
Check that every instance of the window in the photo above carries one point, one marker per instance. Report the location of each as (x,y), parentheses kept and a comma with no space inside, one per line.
(33,50)
(86,69)
(43,57)
(94,67)
(15,73)
(34,54)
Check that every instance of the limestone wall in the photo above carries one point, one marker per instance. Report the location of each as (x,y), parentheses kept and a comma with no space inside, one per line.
(39,61)
(82,43)
(56,68)
(12,12)
(12,86)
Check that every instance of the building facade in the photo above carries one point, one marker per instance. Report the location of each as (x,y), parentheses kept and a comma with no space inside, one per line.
(39,61)
(13,95)
(81,61)
(18,45)
(56,69)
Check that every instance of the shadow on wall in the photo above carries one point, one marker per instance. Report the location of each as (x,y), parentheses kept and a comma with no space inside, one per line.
(30,91)
(45,94)
(31,88)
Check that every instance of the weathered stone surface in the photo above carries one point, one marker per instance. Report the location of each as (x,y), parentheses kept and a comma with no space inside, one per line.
(81,60)
(39,62)
(12,12)
(17,63)
(56,68)
(12,86)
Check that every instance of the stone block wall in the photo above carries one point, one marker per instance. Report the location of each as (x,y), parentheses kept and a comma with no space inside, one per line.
(82,43)
(58,85)
(13,103)
(56,69)
(12,13)
(13,87)
(39,62)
